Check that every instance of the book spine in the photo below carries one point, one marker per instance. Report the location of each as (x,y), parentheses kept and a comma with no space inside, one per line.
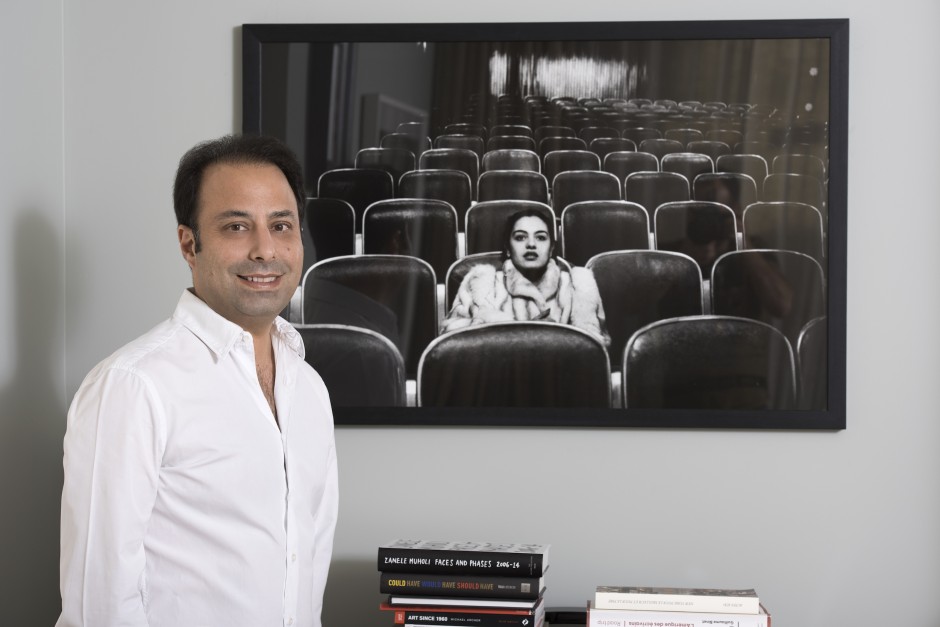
(674,603)
(462,619)
(628,618)
(460,585)
(461,562)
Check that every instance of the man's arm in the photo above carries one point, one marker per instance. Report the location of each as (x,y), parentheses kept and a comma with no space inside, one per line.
(113,446)
(324,531)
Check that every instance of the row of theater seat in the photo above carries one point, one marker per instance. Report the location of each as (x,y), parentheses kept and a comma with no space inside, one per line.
(692,362)
(429,228)
(397,295)
(626,178)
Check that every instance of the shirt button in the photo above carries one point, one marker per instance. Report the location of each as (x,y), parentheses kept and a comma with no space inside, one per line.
(293,557)
(290,621)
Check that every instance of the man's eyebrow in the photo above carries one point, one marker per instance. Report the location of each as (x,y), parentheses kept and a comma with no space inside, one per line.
(239,213)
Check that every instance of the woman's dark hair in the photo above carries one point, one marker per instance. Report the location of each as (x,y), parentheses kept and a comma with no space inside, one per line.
(541,214)
(232,149)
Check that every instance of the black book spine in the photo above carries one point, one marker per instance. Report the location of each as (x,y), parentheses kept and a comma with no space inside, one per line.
(460,585)
(467,619)
(460,562)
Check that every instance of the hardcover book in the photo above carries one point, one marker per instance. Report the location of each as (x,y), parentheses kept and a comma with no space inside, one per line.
(651,618)
(460,585)
(523,604)
(465,616)
(677,599)
(468,558)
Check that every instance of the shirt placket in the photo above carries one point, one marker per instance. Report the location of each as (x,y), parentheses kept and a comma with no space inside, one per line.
(283,396)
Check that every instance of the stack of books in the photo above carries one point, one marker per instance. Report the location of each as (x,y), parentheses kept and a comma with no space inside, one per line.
(463,584)
(622,606)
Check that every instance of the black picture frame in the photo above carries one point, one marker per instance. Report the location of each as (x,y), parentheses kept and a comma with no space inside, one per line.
(256,38)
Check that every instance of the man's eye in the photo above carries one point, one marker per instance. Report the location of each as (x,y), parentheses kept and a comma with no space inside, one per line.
(283,226)
(237,227)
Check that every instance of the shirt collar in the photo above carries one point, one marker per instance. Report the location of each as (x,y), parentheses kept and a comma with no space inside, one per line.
(219,333)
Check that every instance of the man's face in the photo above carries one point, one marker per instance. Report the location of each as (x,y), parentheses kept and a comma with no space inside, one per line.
(530,244)
(250,254)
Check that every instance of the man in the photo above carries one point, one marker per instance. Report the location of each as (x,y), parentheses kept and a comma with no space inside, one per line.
(200,472)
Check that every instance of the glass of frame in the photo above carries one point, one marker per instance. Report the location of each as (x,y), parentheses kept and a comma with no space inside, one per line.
(686,182)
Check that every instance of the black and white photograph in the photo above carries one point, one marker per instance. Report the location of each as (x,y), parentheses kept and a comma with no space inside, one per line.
(618,224)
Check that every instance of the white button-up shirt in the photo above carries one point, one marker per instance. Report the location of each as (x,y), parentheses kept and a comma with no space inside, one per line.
(185,503)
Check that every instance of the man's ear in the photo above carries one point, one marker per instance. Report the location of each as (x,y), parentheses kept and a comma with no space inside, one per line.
(187,244)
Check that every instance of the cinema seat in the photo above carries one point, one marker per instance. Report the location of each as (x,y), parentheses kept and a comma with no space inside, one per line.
(515,364)
(708,362)
(361,368)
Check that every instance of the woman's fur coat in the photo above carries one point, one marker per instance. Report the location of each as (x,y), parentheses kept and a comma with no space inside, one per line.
(490,295)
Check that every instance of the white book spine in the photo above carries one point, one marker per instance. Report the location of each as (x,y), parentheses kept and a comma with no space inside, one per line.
(674,603)
(642,618)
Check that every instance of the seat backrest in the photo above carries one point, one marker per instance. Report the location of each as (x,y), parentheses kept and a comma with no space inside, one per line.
(520,142)
(661,147)
(708,362)
(701,229)
(726,136)
(420,227)
(812,347)
(640,286)
(511,159)
(395,161)
(688,164)
(713,149)
(553,130)
(753,165)
(684,135)
(512,185)
(623,163)
(590,133)
(603,146)
(785,226)
(486,222)
(558,161)
(729,188)
(510,129)
(550,144)
(372,290)
(361,368)
(416,144)
(453,159)
(592,227)
(577,185)
(639,134)
(808,165)
(331,224)
(795,188)
(466,142)
(780,287)
(466,128)
(652,189)
(451,186)
(459,269)
(360,187)
(515,364)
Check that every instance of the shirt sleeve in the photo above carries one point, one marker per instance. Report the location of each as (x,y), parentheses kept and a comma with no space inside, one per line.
(325,528)
(112,451)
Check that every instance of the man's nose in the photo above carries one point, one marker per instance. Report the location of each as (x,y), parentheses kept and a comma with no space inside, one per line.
(262,247)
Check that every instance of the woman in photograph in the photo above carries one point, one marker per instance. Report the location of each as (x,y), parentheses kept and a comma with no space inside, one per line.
(530,285)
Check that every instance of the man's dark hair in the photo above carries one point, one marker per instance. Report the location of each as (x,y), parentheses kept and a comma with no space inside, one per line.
(526,213)
(232,149)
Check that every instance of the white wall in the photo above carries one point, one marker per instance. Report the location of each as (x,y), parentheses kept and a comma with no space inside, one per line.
(827,526)
(32,308)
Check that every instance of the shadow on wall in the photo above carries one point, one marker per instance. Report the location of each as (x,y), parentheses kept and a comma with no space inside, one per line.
(31,428)
(352,595)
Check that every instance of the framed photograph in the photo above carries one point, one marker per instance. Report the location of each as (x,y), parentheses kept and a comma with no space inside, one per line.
(618,224)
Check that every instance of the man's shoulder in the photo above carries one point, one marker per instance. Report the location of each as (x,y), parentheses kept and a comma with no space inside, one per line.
(138,354)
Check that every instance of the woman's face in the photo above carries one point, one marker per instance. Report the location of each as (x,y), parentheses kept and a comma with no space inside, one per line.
(530,244)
